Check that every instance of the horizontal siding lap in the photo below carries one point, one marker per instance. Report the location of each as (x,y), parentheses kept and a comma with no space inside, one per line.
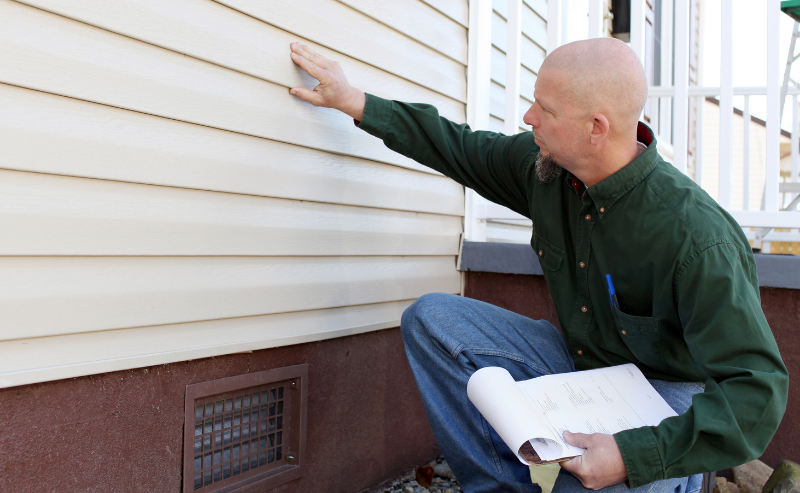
(508,233)
(538,6)
(343,29)
(497,100)
(458,10)
(52,54)
(52,134)
(527,83)
(498,66)
(51,215)
(217,34)
(28,361)
(534,26)
(532,55)
(496,125)
(47,296)
(414,18)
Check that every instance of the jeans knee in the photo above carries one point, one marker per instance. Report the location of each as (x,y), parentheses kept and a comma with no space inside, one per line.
(424,305)
(414,316)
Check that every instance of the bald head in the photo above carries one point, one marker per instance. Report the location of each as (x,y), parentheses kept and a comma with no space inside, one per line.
(600,75)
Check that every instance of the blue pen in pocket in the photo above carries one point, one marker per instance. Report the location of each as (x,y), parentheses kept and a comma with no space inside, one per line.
(612,293)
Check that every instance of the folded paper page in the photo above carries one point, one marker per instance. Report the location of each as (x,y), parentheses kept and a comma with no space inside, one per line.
(535,413)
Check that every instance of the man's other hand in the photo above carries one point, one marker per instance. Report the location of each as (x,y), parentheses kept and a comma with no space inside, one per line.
(333,90)
(601,465)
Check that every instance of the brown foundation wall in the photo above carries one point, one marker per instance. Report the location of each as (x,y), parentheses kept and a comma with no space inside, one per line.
(528,295)
(123,431)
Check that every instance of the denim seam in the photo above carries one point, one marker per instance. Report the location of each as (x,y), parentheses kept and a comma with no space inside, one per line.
(514,357)
(488,438)
(455,352)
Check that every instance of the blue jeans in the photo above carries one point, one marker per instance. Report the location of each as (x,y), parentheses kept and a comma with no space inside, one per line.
(447,338)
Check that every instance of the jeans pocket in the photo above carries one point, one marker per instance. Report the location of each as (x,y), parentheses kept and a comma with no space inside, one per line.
(642,337)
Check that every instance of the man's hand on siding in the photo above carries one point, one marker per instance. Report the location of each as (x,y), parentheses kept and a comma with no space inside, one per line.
(333,90)
(601,465)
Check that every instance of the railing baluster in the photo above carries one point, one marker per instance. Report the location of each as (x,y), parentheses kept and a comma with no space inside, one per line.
(726,108)
(637,28)
(773,106)
(746,155)
(654,116)
(513,50)
(681,101)
(795,137)
(595,19)
(665,106)
(698,156)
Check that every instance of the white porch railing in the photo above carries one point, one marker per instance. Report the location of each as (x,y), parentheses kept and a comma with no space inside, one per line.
(669,108)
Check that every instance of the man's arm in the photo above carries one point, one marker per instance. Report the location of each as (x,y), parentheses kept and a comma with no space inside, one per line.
(745,395)
(492,164)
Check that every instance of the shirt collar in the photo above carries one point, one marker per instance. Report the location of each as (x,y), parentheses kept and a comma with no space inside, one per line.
(608,191)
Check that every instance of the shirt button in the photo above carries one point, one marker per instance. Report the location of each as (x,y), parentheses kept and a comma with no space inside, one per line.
(580,352)
(584,309)
(602,210)
(588,217)
(582,265)
(624,333)
(541,253)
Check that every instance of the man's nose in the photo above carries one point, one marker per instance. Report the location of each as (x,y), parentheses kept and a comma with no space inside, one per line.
(530,118)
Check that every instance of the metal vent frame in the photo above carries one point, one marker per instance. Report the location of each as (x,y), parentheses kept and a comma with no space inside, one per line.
(291,465)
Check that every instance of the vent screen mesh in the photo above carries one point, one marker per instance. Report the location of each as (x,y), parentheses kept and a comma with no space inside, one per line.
(238,434)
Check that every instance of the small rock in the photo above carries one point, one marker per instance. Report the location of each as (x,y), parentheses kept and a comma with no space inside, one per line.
(752,477)
(786,470)
(723,486)
(788,485)
(449,491)
(424,476)
(443,471)
(409,489)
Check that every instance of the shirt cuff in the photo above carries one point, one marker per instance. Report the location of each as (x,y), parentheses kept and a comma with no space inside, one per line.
(377,115)
(641,456)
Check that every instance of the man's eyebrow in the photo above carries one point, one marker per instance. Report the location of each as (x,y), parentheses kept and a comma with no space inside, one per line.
(544,106)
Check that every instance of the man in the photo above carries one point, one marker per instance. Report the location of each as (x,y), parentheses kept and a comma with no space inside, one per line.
(602,201)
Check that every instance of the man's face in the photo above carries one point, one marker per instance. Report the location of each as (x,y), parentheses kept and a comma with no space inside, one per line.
(551,116)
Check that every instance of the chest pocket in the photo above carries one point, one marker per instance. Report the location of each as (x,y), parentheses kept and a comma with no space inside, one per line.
(550,258)
(641,336)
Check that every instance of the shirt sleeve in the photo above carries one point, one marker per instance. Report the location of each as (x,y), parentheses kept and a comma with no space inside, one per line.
(745,395)
(492,164)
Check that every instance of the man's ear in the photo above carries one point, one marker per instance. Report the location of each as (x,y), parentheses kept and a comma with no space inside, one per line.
(599,128)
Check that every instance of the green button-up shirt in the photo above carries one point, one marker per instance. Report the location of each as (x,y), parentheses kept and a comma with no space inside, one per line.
(690,307)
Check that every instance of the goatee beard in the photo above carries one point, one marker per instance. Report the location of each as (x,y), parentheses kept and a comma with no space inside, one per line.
(547,169)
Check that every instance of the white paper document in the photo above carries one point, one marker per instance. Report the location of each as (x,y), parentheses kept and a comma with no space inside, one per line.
(539,410)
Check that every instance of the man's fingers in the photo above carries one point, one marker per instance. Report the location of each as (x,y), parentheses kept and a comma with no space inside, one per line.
(573,465)
(310,55)
(580,440)
(312,68)
(312,97)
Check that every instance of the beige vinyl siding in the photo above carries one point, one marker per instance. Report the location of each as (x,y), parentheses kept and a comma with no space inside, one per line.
(457,11)
(164,198)
(533,43)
